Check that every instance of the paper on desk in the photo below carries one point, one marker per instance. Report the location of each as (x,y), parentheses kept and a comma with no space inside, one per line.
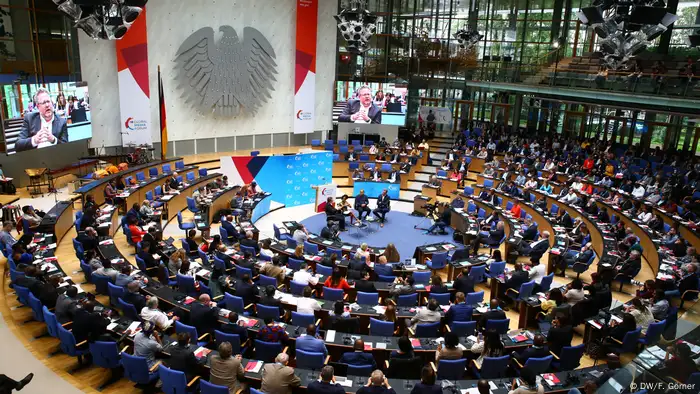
(105,224)
(132,327)
(345,383)
(381,345)
(51,246)
(475,390)
(379,309)
(330,335)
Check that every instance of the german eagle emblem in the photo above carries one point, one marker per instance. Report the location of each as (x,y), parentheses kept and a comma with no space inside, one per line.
(227,78)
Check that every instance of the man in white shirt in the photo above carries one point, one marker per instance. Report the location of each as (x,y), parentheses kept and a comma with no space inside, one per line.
(306,304)
(537,271)
(304,276)
(571,197)
(151,313)
(638,191)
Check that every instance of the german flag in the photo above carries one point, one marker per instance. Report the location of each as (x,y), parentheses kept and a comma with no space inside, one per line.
(163,120)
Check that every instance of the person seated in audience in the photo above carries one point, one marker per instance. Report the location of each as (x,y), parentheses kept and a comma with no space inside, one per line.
(391,253)
(337,281)
(493,237)
(272,332)
(405,350)
(226,370)
(518,277)
(537,248)
(306,304)
(274,269)
(175,261)
(431,314)
(311,342)
(135,212)
(647,290)
(436,285)
(554,305)
(363,252)
(574,292)
(571,257)
(136,232)
(229,225)
(529,385)
(560,334)
(358,356)
(304,276)
(460,310)
(681,363)
(660,306)
(538,349)
(246,289)
(491,346)
(631,266)
(147,343)
(66,305)
(90,325)
(493,313)
(327,384)
(133,297)
(250,242)
(364,284)
(182,357)
(546,187)
(151,313)
(278,377)
(463,283)
(687,280)
(107,270)
(618,330)
(450,350)
(338,313)
(642,314)
(268,297)
(204,315)
(148,258)
(301,234)
(402,286)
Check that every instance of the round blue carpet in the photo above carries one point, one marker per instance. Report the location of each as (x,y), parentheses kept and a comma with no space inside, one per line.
(397,229)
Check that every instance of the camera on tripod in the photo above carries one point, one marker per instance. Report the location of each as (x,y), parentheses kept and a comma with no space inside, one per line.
(430,208)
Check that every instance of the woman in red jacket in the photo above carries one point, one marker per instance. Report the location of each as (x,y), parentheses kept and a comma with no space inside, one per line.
(136,232)
(588,164)
(337,281)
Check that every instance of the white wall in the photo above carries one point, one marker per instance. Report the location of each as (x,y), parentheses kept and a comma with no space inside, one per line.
(169,24)
(98,60)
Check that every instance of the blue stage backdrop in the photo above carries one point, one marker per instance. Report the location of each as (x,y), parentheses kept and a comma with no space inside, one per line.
(374,189)
(289,178)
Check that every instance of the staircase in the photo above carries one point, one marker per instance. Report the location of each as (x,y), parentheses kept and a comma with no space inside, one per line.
(540,75)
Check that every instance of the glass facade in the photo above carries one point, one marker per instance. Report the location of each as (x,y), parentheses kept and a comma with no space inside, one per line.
(525,42)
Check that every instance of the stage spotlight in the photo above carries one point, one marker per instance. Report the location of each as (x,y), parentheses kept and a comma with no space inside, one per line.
(467,38)
(71,9)
(103,19)
(91,25)
(131,13)
(357,26)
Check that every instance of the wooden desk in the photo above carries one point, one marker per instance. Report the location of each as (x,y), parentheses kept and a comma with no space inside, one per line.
(58,220)
(179,202)
(429,191)
(221,202)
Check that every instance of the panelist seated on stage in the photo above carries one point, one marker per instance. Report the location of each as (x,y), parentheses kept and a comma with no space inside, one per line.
(383,207)
(43,128)
(362,110)
(333,213)
(362,204)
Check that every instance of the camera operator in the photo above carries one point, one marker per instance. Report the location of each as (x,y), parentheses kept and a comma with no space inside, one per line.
(442,221)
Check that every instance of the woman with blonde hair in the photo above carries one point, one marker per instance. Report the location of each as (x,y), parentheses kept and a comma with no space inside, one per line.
(176,259)
(146,209)
(389,313)
(363,251)
(391,253)
(299,252)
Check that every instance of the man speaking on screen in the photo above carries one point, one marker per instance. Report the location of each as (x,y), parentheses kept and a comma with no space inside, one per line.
(362,110)
(43,128)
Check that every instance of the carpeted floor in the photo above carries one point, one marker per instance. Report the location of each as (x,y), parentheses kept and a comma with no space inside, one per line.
(398,229)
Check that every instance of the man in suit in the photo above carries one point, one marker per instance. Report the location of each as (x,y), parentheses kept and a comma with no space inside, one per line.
(537,248)
(268,299)
(278,378)
(232,327)
(538,350)
(383,268)
(43,128)
(493,237)
(173,182)
(358,356)
(364,285)
(460,311)
(632,265)
(517,279)
(362,110)
(327,385)
(362,204)
(581,257)
(230,229)
(250,242)
(428,315)
(561,334)
(151,237)
(88,239)
(494,313)
(204,315)
(182,357)
(88,324)
(310,342)
(246,289)
(383,206)
(333,213)
(133,297)
(464,283)
(66,305)
(530,232)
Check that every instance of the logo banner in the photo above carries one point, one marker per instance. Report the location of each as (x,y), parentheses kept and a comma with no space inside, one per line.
(134,94)
(305,70)
(322,194)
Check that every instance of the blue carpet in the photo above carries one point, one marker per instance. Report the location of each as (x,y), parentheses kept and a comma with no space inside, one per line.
(398,229)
